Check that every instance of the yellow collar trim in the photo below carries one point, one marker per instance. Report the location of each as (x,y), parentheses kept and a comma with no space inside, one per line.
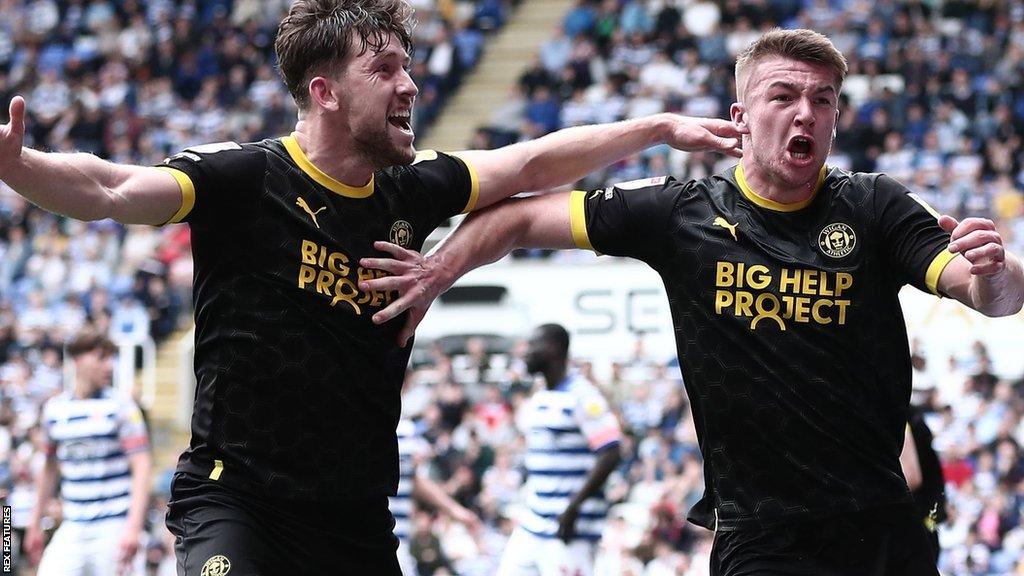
(292,145)
(763,202)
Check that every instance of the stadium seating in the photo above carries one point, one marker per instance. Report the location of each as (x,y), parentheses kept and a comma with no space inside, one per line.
(935,96)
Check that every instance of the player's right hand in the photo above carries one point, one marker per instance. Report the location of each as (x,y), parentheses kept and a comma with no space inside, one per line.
(34,543)
(978,241)
(12,134)
(418,280)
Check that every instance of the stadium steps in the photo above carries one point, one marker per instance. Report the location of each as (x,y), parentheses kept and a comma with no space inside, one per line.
(170,436)
(505,57)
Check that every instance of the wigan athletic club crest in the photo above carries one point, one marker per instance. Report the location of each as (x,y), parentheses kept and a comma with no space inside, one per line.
(216,566)
(837,240)
(401,233)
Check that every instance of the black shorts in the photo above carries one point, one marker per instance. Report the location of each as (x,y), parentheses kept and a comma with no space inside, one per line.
(877,542)
(217,529)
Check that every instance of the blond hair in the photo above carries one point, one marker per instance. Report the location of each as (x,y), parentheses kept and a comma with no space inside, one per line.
(800,44)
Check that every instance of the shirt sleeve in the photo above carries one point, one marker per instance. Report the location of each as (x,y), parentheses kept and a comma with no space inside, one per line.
(914,243)
(210,177)
(596,420)
(627,219)
(445,185)
(131,429)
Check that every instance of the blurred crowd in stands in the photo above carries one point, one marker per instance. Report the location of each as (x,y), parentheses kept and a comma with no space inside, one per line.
(137,80)
(935,98)
(978,422)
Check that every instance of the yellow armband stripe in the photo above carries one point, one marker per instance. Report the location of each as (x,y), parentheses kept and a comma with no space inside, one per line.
(931,277)
(188,193)
(578,220)
(474,191)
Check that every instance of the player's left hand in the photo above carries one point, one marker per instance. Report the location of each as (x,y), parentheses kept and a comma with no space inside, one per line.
(126,550)
(418,280)
(567,523)
(977,240)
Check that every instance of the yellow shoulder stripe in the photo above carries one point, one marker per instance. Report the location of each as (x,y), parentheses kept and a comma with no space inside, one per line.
(188,193)
(578,220)
(925,205)
(939,263)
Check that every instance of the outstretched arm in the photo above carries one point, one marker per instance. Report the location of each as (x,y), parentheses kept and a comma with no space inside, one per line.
(563,157)
(83,186)
(988,278)
(482,238)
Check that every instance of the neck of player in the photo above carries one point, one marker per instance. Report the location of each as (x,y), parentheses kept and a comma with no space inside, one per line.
(334,155)
(771,185)
(84,389)
(555,374)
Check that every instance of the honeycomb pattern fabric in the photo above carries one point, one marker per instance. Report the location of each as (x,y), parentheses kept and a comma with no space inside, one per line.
(789,331)
(298,392)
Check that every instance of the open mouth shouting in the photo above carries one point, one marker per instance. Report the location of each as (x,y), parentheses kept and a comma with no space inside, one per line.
(401,120)
(801,150)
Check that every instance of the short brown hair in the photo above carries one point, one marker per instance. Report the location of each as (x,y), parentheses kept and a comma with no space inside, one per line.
(87,340)
(800,44)
(317,34)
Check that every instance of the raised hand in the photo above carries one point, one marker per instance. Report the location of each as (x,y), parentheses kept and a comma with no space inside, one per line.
(698,134)
(12,134)
(976,240)
(417,279)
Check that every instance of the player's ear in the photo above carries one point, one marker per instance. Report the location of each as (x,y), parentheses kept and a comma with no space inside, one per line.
(738,113)
(321,94)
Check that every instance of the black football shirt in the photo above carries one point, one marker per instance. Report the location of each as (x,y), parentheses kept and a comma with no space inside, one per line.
(298,392)
(789,330)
